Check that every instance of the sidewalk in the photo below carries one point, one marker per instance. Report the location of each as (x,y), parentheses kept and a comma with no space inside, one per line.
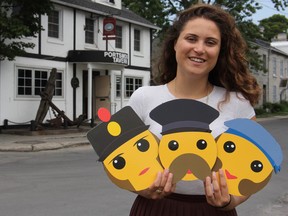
(23,140)
(32,141)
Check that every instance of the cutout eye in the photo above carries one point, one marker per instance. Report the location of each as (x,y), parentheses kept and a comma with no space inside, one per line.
(201,144)
(257,166)
(229,146)
(119,163)
(173,145)
(142,145)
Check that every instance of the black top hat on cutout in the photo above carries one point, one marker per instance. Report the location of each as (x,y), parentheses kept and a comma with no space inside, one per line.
(184,115)
(105,139)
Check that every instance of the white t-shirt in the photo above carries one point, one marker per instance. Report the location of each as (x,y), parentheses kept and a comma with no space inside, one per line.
(146,98)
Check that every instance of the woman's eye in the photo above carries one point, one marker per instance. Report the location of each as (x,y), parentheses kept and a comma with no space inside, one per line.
(211,43)
(191,39)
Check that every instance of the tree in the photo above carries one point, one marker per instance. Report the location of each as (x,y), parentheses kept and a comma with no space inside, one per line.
(274,25)
(19,19)
(241,10)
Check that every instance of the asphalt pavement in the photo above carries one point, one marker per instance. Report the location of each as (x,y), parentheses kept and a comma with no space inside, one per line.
(24,140)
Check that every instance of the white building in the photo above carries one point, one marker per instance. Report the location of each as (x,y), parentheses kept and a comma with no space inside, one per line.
(274,79)
(91,72)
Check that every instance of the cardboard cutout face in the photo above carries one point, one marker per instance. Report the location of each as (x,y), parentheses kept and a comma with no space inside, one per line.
(128,150)
(188,155)
(248,154)
(135,162)
(246,167)
(187,147)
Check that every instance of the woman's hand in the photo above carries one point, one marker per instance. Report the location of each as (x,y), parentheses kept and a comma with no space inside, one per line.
(161,187)
(217,193)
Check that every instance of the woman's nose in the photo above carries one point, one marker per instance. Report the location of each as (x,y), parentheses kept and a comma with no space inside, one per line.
(199,48)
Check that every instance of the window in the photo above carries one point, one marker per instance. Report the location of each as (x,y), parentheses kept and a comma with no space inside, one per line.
(111,1)
(281,68)
(274,93)
(31,82)
(274,67)
(89,31)
(264,62)
(131,84)
(137,40)
(118,41)
(118,86)
(54,24)
(40,81)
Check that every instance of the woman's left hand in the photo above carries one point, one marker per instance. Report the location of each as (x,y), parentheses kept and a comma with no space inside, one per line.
(216,191)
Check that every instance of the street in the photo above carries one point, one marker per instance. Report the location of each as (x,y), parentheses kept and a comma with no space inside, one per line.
(70,182)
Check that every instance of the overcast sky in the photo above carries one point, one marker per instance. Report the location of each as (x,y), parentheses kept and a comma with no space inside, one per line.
(267,10)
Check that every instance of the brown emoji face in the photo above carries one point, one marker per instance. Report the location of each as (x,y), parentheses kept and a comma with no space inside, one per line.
(246,167)
(188,155)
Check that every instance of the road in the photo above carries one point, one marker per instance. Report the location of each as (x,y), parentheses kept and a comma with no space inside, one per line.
(69,182)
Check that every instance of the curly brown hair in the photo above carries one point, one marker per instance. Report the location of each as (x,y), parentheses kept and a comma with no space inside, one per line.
(231,70)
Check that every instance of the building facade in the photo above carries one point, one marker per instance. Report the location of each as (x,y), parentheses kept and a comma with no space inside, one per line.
(273,79)
(102,53)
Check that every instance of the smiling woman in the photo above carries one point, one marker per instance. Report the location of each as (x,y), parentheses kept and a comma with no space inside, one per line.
(203,59)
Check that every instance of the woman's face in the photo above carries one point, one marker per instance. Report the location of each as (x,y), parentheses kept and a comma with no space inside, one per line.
(197,47)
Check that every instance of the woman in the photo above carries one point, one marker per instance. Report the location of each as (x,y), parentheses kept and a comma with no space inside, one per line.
(203,58)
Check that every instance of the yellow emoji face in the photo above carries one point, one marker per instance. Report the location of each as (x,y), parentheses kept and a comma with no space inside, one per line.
(246,167)
(188,155)
(134,165)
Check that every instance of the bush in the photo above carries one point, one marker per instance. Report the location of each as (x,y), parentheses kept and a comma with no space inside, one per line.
(274,107)
(259,111)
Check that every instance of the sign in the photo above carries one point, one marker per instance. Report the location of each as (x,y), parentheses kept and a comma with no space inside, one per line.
(109,26)
(116,57)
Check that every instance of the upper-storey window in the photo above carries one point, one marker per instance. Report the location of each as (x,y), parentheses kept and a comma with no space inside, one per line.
(137,40)
(54,24)
(281,68)
(111,1)
(264,62)
(119,36)
(89,31)
(274,67)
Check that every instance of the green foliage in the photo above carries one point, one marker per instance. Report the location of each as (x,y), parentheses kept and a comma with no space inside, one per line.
(274,107)
(165,10)
(274,25)
(19,19)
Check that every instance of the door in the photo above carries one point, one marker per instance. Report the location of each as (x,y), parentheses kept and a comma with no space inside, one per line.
(101,93)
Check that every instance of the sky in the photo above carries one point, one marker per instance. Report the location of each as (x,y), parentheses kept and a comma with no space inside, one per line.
(267,10)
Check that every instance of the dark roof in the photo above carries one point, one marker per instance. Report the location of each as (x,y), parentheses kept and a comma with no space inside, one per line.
(97,8)
(266,44)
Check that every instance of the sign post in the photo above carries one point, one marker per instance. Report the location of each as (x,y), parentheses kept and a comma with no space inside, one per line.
(109,29)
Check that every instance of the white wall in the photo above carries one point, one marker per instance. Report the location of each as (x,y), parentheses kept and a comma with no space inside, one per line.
(23,109)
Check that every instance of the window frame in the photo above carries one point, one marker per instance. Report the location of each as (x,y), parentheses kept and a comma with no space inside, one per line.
(59,25)
(89,29)
(119,37)
(37,83)
(127,92)
(137,41)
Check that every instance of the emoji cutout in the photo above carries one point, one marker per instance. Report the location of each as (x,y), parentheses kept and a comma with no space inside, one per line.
(127,149)
(187,146)
(247,153)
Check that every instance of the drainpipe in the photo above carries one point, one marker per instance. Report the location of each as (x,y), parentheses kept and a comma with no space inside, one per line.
(89,105)
(122,89)
(268,81)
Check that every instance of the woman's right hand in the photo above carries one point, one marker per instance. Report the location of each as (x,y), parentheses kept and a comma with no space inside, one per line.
(161,187)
